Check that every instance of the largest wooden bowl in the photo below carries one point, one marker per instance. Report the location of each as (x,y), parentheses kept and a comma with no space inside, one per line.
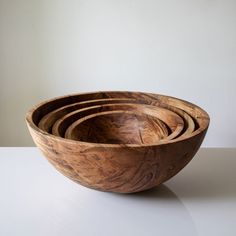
(118,167)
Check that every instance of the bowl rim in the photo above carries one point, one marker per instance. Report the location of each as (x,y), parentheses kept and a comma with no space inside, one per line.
(203,115)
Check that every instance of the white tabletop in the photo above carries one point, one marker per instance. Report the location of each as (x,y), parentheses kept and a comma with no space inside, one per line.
(36,200)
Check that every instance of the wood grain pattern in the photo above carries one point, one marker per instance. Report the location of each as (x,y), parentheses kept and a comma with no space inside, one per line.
(123,168)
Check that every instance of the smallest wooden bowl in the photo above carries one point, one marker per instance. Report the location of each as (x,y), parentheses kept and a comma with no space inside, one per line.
(118,127)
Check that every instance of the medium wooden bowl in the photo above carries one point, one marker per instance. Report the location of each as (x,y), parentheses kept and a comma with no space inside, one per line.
(118,127)
(123,168)
(48,120)
(172,121)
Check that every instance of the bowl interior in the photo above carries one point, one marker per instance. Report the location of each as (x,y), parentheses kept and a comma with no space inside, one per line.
(119,127)
(39,118)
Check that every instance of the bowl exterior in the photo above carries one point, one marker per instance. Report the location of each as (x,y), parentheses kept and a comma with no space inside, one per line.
(117,169)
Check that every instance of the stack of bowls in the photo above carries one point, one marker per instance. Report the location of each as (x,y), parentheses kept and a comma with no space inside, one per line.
(118,141)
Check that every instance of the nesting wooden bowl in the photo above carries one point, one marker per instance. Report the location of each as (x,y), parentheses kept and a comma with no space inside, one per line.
(118,141)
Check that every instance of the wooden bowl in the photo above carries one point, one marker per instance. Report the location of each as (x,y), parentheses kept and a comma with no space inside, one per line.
(172,121)
(123,168)
(118,127)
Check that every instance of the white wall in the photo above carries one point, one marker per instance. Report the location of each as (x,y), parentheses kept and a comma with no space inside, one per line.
(182,48)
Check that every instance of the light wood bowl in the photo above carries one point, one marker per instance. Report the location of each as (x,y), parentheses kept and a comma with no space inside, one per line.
(123,168)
